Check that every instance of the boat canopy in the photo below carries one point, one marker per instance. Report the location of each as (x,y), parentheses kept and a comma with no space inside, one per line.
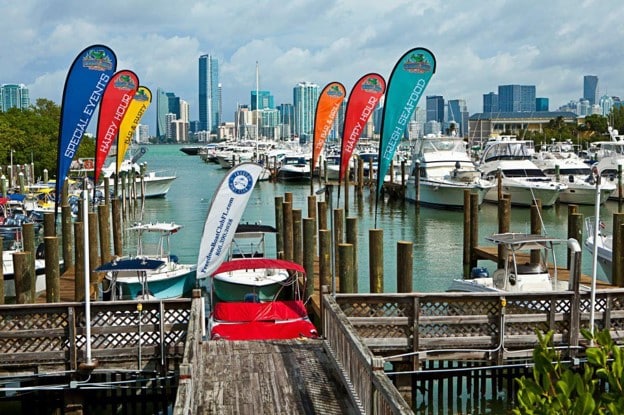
(135,264)
(254,228)
(258,263)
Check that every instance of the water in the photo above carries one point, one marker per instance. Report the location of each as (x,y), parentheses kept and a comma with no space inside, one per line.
(437,234)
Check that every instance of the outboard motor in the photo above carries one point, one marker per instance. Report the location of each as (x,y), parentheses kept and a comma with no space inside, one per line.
(479,272)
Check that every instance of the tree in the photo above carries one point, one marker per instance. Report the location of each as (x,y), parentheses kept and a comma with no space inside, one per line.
(597,387)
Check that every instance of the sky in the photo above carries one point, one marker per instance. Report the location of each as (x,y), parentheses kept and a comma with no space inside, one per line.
(478,45)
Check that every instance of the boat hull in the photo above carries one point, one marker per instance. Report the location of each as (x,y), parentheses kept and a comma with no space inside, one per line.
(446,195)
(160,285)
(522,195)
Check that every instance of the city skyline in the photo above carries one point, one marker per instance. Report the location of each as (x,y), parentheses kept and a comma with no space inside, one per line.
(477,46)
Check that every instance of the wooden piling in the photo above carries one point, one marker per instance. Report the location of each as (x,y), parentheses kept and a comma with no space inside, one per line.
(536,227)
(312,207)
(288,230)
(467,247)
(375,259)
(28,235)
(575,229)
(279,225)
(24,278)
(94,255)
(352,238)
(309,254)
(324,257)
(104,228)
(338,234)
(474,228)
(297,236)
(48,224)
(79,269)
(504,216)
(52,269)
(322,214)
(117,241)
(67,232)
(360,176)
(346,276)
(405,265)
(288,197)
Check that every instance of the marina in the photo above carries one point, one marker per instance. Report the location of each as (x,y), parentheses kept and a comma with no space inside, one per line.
(377,348)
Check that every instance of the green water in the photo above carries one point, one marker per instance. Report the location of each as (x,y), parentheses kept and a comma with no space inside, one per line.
(437,234)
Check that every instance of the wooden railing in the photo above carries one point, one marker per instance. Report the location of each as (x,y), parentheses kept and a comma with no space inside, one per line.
(49,337)
(363,373)
(478,325)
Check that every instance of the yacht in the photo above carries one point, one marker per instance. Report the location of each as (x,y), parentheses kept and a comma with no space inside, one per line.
(604,248)
(609,158)
(445,171)
(294,167)
(520,177)
(559,162)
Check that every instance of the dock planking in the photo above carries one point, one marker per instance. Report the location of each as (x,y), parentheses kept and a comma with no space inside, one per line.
(271,377)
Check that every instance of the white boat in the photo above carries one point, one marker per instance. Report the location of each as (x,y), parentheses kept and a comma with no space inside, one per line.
(169,280)
(155,184)
(520,274)
(445,172)
(258,299)
(520,177)
(294,168)
(12,236)
(565,166)
(610,158)
(604,246)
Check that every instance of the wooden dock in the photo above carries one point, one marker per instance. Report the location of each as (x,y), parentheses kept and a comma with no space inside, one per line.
(270,377)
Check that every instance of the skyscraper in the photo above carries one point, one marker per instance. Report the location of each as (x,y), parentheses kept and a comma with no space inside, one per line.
(490,102)
(590,89)
(435,108)
(305,97)
(209,93)
(516,98)
(264,100)
(166,103)
(14,96)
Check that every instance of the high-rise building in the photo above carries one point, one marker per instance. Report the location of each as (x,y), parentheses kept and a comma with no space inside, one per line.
(305,97)
(490,102)
(516,98)
(606,104)
(287,119)
(14,96)
(209,93)
(435,108)
(166,103)
(264,100)
(590,89)
(458,113)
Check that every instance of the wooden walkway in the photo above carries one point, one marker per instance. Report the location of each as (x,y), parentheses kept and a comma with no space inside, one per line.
(270,377)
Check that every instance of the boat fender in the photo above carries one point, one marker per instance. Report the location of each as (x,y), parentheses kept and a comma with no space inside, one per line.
(479,272)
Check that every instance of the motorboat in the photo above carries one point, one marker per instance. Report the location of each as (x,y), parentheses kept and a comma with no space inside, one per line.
(170,280)
(150,184)
(258,299)
(13,243)
(604,246)
(445,172)
(294,168)
(520,177)
(559,162)
(609,158)
(522,272)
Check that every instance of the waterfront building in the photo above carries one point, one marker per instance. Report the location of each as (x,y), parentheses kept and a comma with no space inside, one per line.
(516,98)
(209,104)
(305,97)
(269,120)
(287,120)
(484,125)
(14,96)
(590,89)
(142,134)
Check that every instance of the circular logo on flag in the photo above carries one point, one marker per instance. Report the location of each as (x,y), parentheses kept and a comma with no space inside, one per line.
(241,182)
